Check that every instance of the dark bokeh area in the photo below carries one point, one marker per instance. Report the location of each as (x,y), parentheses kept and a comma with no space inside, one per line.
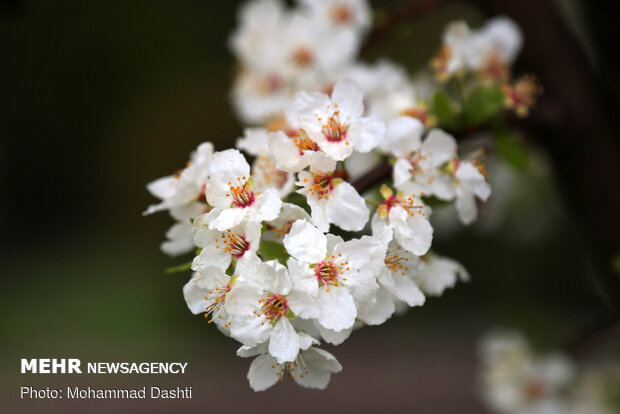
(99,98)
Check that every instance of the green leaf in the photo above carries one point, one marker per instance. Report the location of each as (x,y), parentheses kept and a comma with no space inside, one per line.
(615,263)
(299,200)
(270,250)
(434,202)
(513,150)
(445,110)
(482,104)
(180,268)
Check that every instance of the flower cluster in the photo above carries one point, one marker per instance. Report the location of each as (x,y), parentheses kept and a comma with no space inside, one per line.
(290,252)
(517,380)
(486,55)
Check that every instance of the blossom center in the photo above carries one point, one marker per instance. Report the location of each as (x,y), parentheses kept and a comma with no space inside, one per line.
(234,244)
(396,263)
(303,56)
(341,14)
(533,390)
(303,142)
(270,84)
(202,197)
(327,272)
(522,95)
(282,230)
(279,123)
(242,195)
(415,161)
(274,307)
(418,112)
(293,369)
(441,60)
(333,130)
(215,299)
(322,185)
(493,68)
(270,175)
(406,202)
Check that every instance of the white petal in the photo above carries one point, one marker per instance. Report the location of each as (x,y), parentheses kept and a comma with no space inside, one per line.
(402,172)
(305,242)
(442,186)
(346,208)
(349,98)
(254,141)
(267,205)
(320,365)
(212,256)
(366,133)
(242,300)
(472,180)
(318,213)
(284,342)
(466,208)
(228,165)
(194,295)
(336,150)
(180,239)
(306,341)
(302,304)
(361,283)
(261,375)
(304,279)
(246,351)
(357,252)
(406,290)
(332,241)
(250,330)
(319,162)
(285,152)
(228,218)
(338,310)
(414,233)
(439,274)
(163,187)
(439,147)
(333,337)
(378,311)
(403,136)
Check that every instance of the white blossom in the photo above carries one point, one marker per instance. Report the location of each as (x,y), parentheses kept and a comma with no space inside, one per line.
(231,192)
(407,216)
(331,271)
(336,124)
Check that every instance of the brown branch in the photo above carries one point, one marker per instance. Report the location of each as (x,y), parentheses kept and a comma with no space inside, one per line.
(409,10)
(373,177)
(594,335)
(575,124)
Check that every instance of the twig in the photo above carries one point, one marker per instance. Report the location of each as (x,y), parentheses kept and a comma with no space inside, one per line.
(410,10)
(373,177)
(593,335)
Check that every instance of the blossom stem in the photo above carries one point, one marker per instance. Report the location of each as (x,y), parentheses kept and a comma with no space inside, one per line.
(373,177)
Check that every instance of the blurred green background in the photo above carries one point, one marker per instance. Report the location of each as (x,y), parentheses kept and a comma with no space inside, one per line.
(99,98)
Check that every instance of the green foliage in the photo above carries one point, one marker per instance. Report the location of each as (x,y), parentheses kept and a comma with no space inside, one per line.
(269,250)
(512,149)
(482,104)
(445,110)
(298,200)
(434,202)
(180,268)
